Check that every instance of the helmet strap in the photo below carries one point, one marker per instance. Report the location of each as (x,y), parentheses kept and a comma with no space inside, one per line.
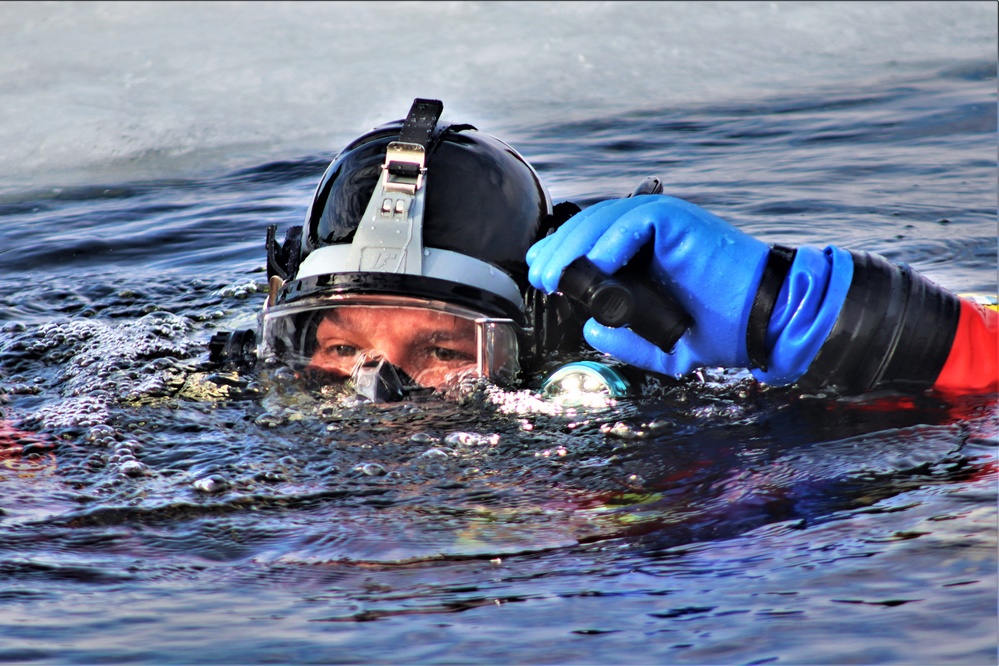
(421,121)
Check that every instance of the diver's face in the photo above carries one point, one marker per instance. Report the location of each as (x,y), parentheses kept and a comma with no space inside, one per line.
(431,347)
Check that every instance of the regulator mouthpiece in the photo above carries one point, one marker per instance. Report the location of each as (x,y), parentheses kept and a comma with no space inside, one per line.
(379,381)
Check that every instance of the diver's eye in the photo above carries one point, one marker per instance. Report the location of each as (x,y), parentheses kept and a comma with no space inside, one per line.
(448,355)
(341,350)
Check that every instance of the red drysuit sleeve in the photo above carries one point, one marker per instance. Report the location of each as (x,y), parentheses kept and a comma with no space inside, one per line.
(973,362)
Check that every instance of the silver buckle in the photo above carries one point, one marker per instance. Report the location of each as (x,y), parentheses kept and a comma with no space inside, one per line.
(403,154)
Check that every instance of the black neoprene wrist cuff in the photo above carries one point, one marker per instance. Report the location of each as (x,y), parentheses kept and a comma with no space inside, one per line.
(895,328)
(774,273)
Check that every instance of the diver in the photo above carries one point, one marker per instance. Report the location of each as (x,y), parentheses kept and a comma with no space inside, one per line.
(432,253)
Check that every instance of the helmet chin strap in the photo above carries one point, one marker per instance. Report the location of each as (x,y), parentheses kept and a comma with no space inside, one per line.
(389,237)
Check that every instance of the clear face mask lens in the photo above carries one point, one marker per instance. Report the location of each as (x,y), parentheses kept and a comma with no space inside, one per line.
(433,343)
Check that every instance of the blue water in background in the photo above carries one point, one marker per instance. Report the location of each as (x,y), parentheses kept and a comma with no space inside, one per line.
(161,514)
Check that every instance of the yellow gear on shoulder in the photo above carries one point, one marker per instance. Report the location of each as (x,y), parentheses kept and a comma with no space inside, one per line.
(990,301)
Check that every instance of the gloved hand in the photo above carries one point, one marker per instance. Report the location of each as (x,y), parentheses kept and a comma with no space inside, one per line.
(710,267)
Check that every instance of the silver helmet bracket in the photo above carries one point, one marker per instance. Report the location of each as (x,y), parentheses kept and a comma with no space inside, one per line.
(389,237)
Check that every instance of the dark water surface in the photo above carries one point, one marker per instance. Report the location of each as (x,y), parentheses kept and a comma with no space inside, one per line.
(154,512)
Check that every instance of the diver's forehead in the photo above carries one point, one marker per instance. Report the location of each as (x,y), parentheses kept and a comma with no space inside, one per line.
(399,319)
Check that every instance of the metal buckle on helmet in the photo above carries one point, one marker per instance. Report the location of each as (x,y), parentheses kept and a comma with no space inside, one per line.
(406,165)
(389,237)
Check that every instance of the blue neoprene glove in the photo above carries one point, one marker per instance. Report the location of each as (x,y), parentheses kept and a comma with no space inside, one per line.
(713,270)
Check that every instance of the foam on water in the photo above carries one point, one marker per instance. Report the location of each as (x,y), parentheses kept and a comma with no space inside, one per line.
(110,92)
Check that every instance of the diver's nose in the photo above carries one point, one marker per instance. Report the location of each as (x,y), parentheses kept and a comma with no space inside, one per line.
(387,353)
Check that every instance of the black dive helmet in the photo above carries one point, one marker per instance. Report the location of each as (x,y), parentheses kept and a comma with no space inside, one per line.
(423,210)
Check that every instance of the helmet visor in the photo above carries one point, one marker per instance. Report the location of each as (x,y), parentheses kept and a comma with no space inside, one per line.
(435,343)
